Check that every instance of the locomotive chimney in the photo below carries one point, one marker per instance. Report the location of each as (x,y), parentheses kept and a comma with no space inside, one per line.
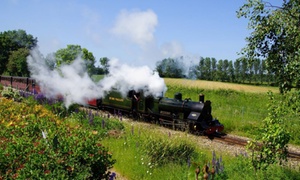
(201,98)
(178,96)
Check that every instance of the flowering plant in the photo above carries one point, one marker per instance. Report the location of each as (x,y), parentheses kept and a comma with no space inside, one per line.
(34,143)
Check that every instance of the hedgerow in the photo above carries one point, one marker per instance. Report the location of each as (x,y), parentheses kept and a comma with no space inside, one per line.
(34,142)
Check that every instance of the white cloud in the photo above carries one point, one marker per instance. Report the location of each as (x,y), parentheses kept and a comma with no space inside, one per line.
(136,26)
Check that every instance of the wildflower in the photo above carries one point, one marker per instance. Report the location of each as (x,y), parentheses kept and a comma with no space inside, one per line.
(112,176)
(103,124)
(15,176)
(94,132)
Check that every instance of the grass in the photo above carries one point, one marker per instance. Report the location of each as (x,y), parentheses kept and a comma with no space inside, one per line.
(213,85)
(241,112)
(133,161)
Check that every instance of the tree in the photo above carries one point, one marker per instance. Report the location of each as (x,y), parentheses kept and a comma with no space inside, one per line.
(17,63)
(170,67)
(207,68)
(225,70)
(256,67)
(69,54)
(12,41)
(104,63)
(201,68)
(214,68)
(220,72)
(237,70)
(275,38)
(231,72)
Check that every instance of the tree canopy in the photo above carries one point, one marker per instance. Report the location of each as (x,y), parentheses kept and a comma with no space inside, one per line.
(275,37)
(170,67)
(71,52)
(13,47)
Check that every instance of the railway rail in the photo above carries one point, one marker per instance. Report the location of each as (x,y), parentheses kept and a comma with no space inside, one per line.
(234,141)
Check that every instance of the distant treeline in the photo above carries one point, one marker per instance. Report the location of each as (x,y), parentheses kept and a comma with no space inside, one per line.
(241,70)
(16,46)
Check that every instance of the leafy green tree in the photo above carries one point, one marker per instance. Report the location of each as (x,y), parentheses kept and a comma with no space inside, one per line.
(90,59)
(12,41)
(170,67)
(207,68)
(214,69)
(69,54)
(231,72)
(244,69)
(275,38)
(237,70)
(201,68)
(50,60)
(104,61)
(220,72)
(225,69)
(256,67)
(17,63)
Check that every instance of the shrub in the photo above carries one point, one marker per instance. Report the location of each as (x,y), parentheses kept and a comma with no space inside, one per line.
(11,94)
(35,143)
(162,151)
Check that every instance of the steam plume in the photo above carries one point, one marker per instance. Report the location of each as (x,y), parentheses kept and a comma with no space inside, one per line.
(74,84)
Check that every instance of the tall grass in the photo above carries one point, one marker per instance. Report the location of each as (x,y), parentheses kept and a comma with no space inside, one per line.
(134,161)
(241,112)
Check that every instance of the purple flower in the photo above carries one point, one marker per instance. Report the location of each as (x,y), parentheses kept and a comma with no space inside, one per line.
(112,176)
(103,124)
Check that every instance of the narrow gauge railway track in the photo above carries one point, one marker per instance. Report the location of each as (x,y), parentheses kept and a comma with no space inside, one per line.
(234,141)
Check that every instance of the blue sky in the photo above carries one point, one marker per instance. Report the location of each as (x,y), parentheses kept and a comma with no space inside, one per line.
(134,31)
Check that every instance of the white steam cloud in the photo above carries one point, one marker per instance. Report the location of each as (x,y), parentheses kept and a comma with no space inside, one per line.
(74,84)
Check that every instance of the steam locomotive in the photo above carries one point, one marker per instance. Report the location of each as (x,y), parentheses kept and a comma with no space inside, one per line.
(176,113)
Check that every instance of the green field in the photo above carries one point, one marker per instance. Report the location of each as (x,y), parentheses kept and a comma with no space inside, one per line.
(241,108)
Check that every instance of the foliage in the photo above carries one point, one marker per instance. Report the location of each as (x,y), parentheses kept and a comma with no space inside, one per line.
(11,94)
(133,162)
(17,63)
(274,139)
(104,61)
(240,71)
(11,41)
(162,151)
(275,37)
(36,143)
(69,54)
(169,67)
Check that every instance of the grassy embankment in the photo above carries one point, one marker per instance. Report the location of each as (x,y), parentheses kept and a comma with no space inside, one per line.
(241,108)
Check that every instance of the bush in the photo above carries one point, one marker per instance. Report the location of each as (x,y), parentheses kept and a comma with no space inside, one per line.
(162,151)
(11,94)
(35,143)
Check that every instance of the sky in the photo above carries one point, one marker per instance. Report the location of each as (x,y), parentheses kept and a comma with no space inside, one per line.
(135,32)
